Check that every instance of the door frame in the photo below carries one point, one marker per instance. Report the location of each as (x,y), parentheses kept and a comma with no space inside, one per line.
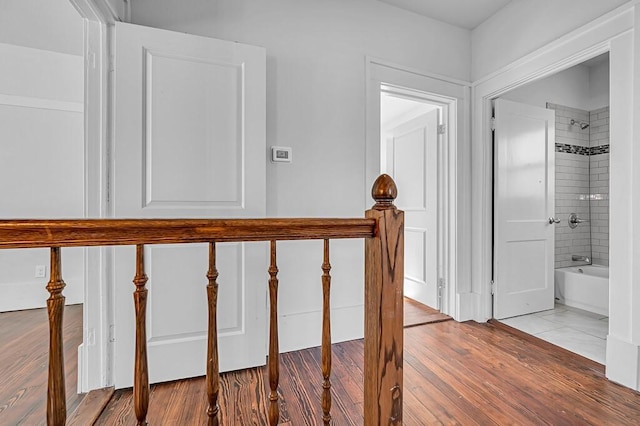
(451,95)
(593,39)
(95,354)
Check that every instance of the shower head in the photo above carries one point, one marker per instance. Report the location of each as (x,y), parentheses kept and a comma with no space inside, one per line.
(583,124)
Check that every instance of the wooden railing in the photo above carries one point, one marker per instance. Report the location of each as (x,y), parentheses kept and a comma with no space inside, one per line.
(383,231)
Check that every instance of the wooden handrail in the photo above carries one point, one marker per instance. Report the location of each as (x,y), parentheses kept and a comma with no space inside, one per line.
(113,232)
(383,231)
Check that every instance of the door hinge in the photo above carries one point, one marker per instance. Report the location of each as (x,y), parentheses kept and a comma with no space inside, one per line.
(441,286)
(112,333)
(493,288)
(493,123)
(442,129)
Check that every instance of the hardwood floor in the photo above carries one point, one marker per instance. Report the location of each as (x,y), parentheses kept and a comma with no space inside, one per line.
(455,373)
(24,337)
(416,313)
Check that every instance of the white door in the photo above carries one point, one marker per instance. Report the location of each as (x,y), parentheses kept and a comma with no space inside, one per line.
(412,154)
(523,203)
(189,142)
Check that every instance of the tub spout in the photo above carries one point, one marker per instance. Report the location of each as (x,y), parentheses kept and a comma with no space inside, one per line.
(578,258)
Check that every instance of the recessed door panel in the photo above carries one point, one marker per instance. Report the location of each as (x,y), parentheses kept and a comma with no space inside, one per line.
(193,131)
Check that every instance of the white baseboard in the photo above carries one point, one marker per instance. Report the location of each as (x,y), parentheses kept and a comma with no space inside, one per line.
(466,305)
(623,362)
(81,387)
(304,330)
(33,295)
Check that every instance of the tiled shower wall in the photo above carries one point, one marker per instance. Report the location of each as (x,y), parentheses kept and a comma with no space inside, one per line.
(572,185)
(582,185)
(599,165)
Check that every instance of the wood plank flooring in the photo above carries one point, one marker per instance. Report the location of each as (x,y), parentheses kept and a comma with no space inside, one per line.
(416,313)
(455,373)
(24,346)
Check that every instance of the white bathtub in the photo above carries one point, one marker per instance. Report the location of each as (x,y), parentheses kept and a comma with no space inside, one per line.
(584,287)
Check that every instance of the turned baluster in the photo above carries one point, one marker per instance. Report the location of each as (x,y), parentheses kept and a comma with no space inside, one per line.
(326,337)
(140,372)
(213,369)
(274,352)
(56,398)
(383,332)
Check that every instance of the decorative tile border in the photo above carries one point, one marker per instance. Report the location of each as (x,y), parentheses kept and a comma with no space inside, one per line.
(582,150)
(572,149)
(602,149)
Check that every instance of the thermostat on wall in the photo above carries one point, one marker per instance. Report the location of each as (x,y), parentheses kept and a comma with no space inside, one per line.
(281,154)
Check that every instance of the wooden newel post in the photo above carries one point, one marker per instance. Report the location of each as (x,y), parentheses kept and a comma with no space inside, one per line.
(56,398)
(383,321)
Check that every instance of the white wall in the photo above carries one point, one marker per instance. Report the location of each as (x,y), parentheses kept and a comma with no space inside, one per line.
(569,88)
(316,104)
(524,26)
(42,134)
(599,86)
(42,24)
(580,87)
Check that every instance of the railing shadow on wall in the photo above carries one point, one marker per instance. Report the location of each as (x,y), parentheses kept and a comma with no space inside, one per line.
(383,231)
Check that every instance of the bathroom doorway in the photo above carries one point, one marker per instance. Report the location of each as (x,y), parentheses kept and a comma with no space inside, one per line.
(579,100)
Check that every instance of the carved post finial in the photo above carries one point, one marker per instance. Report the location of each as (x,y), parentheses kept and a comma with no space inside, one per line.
(384,191)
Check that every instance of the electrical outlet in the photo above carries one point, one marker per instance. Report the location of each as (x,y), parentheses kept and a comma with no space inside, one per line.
(41,271)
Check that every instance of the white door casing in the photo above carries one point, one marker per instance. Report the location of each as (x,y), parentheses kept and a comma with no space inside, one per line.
(189,142)
(524,202)
(454,97)
(412,153)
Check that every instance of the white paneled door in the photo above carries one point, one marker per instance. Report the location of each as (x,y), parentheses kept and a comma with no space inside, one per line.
(523,205)
(189,142)
(412,154)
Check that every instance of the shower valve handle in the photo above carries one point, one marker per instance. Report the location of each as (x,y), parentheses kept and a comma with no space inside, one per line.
(553,220)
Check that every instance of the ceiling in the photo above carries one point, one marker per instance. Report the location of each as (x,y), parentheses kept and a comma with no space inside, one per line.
(461,13)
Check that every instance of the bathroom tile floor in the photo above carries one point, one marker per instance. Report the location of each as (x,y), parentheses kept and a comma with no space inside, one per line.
(570,328)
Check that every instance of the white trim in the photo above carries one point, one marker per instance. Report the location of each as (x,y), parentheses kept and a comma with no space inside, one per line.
(577,46)
(96,10)
(388,64)
(95,354)
(623,362)
(40,103)
(452,95)
(21,295)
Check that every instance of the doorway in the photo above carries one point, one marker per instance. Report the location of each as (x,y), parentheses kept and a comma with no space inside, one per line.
(573,213)
(409,141)
(452,99)
(42,175)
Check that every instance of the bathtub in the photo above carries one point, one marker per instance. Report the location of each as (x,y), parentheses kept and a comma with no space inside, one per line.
(584,287)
